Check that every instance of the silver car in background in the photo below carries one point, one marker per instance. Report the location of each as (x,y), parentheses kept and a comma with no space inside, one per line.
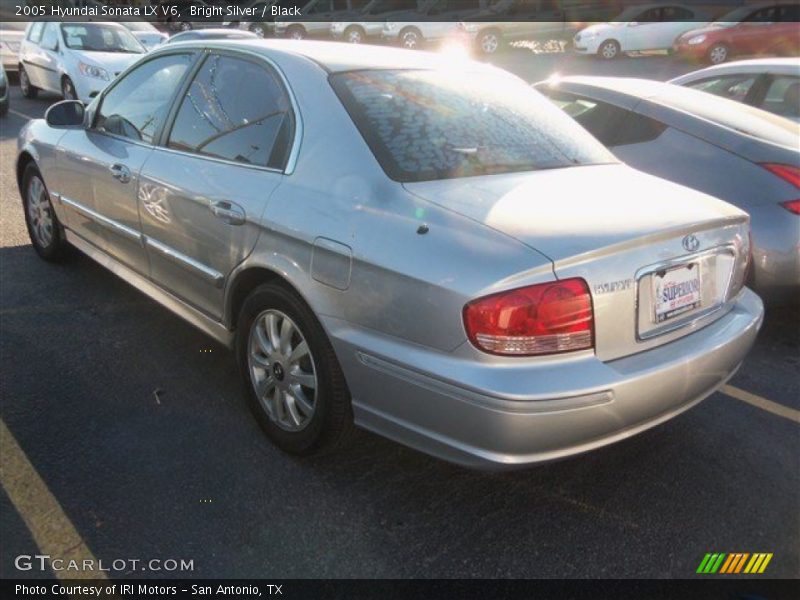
(772,84)
(743,155)
(420,246)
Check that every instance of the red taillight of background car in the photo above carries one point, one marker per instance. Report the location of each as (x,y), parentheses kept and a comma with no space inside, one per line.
(788,173)
(791,174)
(792,206)
(546,318)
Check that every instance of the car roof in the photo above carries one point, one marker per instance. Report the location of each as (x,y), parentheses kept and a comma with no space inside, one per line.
(784,66)
(336,57)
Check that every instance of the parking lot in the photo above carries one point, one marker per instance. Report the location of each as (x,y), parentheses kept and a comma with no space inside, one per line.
(134,427)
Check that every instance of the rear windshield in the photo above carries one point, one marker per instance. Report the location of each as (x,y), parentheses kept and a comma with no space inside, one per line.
(434,124)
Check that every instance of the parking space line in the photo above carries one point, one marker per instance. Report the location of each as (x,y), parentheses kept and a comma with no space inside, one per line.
(762,403)
(50,527)
(19,114)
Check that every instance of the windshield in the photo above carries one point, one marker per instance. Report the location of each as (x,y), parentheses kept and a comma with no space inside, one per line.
(140,26)
(734,17)
(99,37)
(424,125)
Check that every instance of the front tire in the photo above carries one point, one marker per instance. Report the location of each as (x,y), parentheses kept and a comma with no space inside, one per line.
(354,35)
(718,54)
(28,90)
(44,229)
(411,39)
(68,89)
(489,42)
(259,29)
(295,387)
(609,50)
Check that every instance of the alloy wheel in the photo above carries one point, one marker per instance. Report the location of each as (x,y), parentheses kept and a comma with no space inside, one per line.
(609,50)
(489,43)
(718,54)
(259,30)
(24,82)
(40,213)
(354,36)
(410,40)
(282,370)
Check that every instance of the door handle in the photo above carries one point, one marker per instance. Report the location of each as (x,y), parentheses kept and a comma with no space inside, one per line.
(229,212)
(121,173)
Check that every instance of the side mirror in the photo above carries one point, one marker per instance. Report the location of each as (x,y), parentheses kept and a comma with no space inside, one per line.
(67,113)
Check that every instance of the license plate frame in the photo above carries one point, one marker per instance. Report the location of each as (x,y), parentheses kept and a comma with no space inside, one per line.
(676,291)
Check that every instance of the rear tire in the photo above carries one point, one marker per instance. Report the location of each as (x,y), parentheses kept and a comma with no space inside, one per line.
(296,32)
(411,38)
(28,90)
(259,29)
(295,387)
(44,229)
(354,35)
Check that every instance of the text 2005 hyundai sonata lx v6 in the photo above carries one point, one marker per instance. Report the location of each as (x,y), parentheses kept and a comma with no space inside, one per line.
(428,249)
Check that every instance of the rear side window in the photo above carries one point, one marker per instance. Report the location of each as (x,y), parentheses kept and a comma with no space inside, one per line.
(437,124)
(783,96)
(236,110)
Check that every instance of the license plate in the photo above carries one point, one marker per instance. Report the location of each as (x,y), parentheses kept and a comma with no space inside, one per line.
(676,291)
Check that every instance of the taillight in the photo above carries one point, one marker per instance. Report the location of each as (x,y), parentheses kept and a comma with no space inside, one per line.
(546,318)
(788,173)
(792,206)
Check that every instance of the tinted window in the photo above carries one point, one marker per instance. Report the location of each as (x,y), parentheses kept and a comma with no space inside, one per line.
(441,124)
(49,39)
(237,110)
(599,118)
(676,13)
(137,106)
(35,33)
(734,87)
(637,129)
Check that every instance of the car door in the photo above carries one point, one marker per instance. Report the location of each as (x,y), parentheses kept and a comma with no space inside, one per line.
(675,20)
(32,57)
(754,34)
(640,33)
(203,191)
(99,166)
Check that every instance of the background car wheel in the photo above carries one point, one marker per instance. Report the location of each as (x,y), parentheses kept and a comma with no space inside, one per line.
(185,26)
(44,229)
(294,385)
(411,39)
(259,29)
(296,33)
(608,50)
(489,42)
(25,86)
(718,54)
(68,89)
(354,35)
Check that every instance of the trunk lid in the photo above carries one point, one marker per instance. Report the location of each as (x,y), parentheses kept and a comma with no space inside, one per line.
(612,225)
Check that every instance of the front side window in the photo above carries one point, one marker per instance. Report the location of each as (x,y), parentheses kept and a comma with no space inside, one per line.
(100,37)
(235,110)
(138,104)
(441,124)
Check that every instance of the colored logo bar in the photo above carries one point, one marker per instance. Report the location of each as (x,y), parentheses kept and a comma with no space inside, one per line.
(734,563)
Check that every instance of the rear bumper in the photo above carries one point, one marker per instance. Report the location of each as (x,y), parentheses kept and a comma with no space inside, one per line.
(489,415)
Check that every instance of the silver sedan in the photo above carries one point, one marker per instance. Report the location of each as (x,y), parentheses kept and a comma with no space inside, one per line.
(420,246)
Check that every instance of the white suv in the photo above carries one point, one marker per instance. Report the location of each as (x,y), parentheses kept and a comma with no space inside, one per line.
(76,60)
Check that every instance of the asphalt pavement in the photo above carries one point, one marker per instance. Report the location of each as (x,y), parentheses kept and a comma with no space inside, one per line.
(135,423)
